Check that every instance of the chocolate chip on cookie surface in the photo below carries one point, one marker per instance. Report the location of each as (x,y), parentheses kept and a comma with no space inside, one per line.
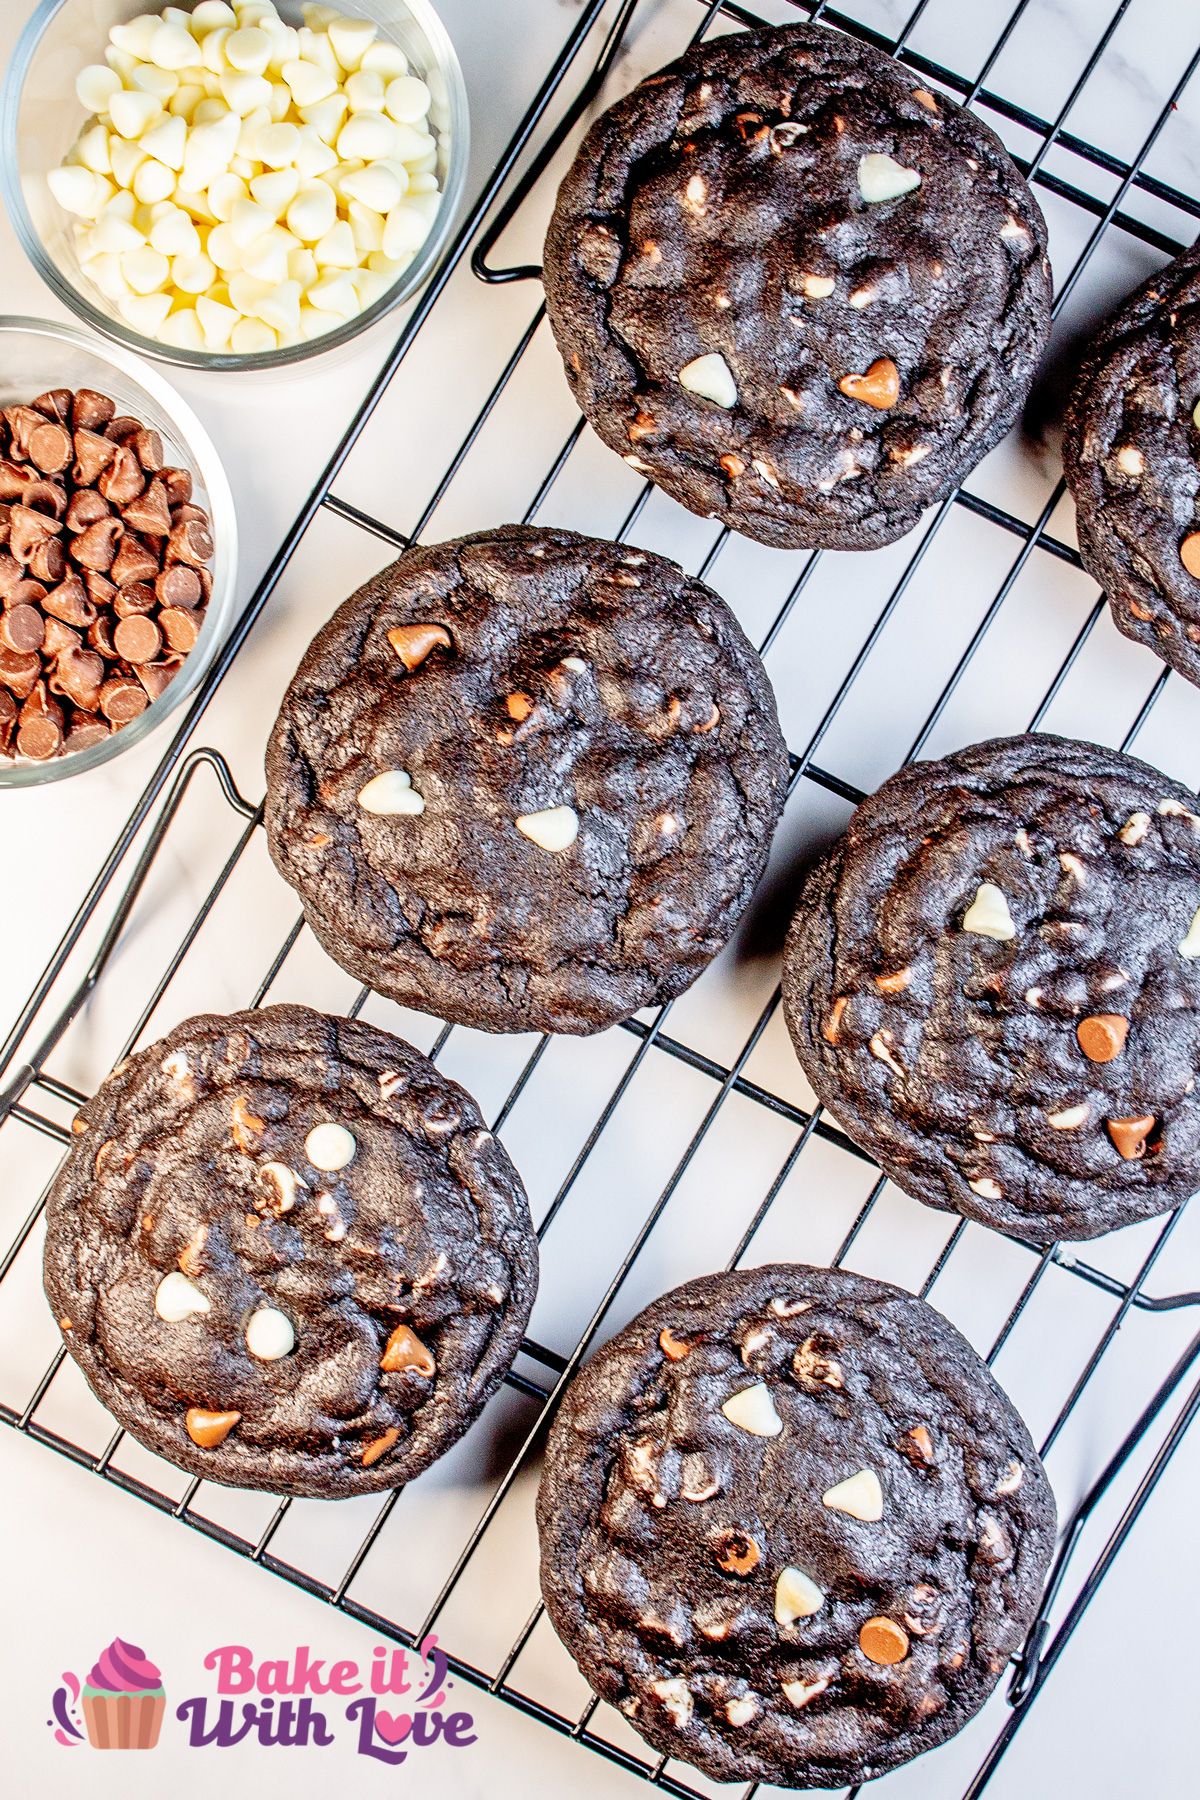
(791,1527)
(287,1253)
(992,982)
(1132,456)
(526,780)
(801,292)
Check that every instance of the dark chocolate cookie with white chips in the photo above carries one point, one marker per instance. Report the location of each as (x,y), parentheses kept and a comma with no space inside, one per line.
(791,1527)
(992,983)
(799,290)
(527,780)
(1132,456)
(287,1253)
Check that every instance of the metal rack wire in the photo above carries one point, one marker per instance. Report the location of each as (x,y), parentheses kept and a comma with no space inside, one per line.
(33,1098)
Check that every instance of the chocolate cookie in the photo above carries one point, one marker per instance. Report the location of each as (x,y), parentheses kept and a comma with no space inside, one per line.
(799,290)
(1132,456)
(791,1527)
(991,981)
(287,1253)
(527,780)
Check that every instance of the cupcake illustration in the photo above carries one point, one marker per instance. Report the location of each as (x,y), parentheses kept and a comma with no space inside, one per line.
(123,1700)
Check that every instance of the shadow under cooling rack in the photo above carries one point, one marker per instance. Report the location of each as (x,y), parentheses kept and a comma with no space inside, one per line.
(33,1099)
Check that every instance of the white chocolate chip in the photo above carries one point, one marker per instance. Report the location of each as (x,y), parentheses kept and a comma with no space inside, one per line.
(715,1623)
(1011,1480)
(697,1481)
(741,1710)
(880,1045)
(351,38)
(1130,461)
(390,794)
(883,178)
(1190,945)
(269,1334)
(95,86)
(1069,1119)
(307,82)
(1171,809)
(178,1298)
(177,1069)
(198,102)
(556,828)
(817,287)
(676,1696)
(786,1308)
(170,46)
(285,1181)
(330,1147)
(814,1368)
(132,112)
(1134,828)
(1074,865)
(799,1693)
(860,1495)
(79,191)
(988,914)
(695,194)
(1012,228)
(752,1409)
(711,377)
(390,1082)
(797,1596)
(985,1187)
(641,1465)
(407,99)
(994,1539)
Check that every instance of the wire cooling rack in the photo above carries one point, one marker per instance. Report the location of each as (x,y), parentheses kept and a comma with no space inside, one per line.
(742,1163)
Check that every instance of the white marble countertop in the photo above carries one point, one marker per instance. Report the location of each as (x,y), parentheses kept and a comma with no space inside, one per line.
(79,1560)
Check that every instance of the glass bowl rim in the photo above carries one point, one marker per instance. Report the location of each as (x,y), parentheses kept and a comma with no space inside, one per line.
(115,330)
(208,466)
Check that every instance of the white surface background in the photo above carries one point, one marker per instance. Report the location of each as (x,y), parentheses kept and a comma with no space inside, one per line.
(80,1561)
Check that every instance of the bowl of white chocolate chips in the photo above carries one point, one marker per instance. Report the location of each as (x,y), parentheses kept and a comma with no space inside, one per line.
(236,183)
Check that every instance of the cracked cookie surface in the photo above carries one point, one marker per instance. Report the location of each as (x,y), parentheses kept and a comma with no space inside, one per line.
(287,1253)
(526,780)
(791,1527)
(801,292)
(1131,451)
(992,983)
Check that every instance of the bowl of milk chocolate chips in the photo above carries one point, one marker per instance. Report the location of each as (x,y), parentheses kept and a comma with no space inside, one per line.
(118,545)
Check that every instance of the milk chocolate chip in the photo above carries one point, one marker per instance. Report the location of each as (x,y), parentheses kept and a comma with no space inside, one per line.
(103,571)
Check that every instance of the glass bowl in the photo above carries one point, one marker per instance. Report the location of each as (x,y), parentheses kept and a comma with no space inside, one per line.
(34,356)
(40,118)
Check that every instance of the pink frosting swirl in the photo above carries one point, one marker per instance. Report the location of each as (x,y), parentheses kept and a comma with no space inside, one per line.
(122,1669)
